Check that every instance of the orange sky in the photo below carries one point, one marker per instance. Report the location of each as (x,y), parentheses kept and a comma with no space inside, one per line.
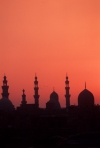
(50,38)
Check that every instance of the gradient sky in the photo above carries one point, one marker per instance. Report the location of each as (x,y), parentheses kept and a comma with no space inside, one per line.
(50,38)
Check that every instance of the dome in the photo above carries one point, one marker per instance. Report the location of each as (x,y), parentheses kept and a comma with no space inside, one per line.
(86,98)
(53,103)
(6,105)
(54,96)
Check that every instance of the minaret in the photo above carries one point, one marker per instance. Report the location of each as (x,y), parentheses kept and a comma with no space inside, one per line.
(67,95)
(5,93)
(36,95)
(24,102)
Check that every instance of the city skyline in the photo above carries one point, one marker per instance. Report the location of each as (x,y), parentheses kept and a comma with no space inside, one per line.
(67,84)
(50,38)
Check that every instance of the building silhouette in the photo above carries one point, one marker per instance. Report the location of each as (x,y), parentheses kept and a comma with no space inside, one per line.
(53,103)
(36,95)
(23,102)
(67,95)
(40,125)
(32,108)
(85,98)
(5,103)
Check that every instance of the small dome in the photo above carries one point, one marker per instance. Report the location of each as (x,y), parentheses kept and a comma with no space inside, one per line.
(53,95)
(6,105)
(53,103)
(86,98)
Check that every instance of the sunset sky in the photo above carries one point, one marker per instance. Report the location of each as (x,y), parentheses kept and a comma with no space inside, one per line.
(50,38)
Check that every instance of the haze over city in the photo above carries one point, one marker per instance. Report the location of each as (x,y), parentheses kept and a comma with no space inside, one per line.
(50,38)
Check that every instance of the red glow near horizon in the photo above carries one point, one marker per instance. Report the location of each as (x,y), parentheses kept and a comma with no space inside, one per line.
(50,38)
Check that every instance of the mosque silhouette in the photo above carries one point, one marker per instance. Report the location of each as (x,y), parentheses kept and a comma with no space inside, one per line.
(35,126)
(85,99)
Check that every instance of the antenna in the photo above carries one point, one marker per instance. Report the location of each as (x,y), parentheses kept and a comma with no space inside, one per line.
(35,74)
(53,89)
(85,85)
(23,91)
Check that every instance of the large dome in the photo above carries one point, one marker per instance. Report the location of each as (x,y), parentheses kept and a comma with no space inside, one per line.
(6,105)
(85,98)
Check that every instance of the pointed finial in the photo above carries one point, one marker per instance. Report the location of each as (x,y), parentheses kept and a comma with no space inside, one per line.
(4,75)
(53,89)
(85,85)
(23,91)
(66,75)
(35,74)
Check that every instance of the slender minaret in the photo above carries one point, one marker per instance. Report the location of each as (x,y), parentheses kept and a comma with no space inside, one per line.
(24,102)
(36,95)
(5,93)
(67,95)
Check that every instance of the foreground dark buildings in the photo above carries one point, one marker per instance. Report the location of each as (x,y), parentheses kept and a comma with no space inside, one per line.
(30,120)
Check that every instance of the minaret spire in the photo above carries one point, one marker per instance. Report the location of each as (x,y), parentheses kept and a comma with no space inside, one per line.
(53,89)
(85,85)
(67,95)
(5,88)
(24,102)
(36,95)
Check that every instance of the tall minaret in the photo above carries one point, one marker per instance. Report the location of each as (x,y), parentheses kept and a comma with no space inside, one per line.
(67,95)
(5,93)
(36,95)
(24,102)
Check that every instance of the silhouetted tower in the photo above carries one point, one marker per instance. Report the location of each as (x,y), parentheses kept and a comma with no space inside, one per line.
(24,102)
(36,95)
(67,95)
(5,93)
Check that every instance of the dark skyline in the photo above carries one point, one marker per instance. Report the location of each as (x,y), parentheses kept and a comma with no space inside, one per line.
(85,97)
